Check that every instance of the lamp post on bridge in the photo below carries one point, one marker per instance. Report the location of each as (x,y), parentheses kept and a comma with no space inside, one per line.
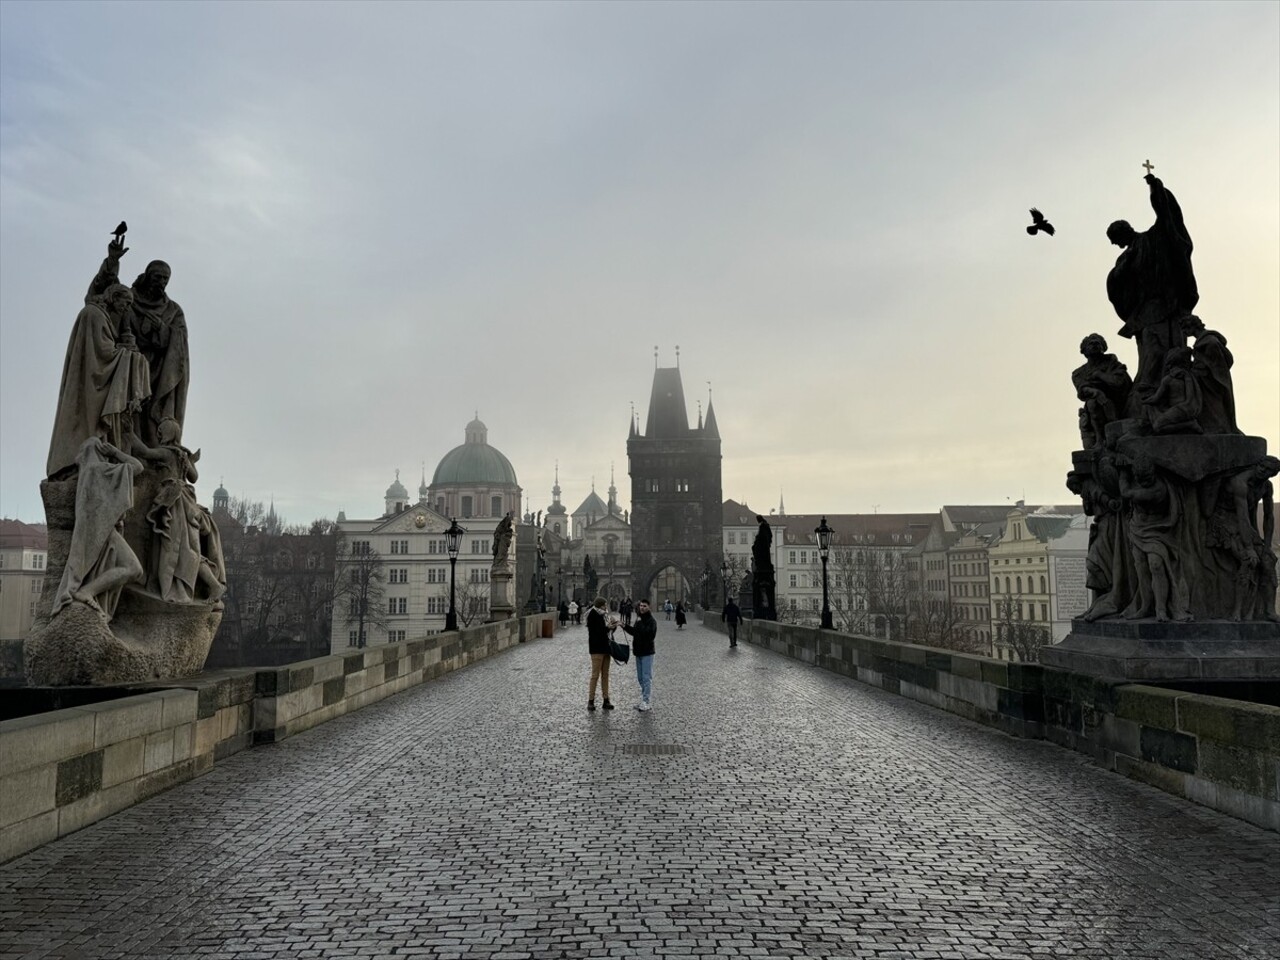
(453,539)
(823,533)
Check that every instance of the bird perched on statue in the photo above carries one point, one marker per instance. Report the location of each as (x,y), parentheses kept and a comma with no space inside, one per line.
(121,230)
(1038,223)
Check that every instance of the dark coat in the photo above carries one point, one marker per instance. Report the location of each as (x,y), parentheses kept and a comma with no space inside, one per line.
(643,632)
(597,632)
(731,614)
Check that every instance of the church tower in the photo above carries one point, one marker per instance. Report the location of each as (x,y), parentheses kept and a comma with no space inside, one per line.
(675,494)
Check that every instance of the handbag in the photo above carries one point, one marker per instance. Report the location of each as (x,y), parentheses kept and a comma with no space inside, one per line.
(621,652)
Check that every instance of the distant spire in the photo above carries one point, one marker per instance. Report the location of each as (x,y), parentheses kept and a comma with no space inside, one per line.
(699,414)
(782,507)
(613,492)
(631,425)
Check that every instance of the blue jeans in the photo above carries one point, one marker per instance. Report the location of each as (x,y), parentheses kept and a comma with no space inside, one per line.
(644,676)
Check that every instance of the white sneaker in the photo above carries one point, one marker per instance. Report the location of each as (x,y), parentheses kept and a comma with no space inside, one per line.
(643,706)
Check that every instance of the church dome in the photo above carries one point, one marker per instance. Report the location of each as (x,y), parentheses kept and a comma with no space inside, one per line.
(475,462)
(397,491)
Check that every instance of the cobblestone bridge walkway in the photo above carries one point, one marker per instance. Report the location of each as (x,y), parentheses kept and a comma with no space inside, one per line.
(763,809)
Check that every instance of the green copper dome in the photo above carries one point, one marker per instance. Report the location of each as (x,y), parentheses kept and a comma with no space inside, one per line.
(475,462)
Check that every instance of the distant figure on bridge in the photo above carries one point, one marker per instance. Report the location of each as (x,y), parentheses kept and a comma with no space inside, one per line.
(624,610)
(681,619)
(642,648)
(575,612)
(667,608)
(598,647)
(732,616)
(564,613)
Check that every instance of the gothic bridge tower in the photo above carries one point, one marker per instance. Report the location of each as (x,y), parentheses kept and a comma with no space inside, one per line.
(675,495)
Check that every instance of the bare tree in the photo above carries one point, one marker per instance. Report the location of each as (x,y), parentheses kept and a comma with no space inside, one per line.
(867,587)
(360,586)
(471,599)
(1023,637)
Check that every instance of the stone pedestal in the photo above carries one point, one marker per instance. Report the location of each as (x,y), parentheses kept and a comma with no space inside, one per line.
(502,595)
(1145,650)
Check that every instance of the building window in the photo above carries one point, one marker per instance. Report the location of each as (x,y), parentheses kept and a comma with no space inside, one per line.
(654,486)
(359,547)
(397,605)
(395,636)
(1043,586)
(793,583)
(353,638)
(1019,582)
(1044,611)
(440,505)
(466,506)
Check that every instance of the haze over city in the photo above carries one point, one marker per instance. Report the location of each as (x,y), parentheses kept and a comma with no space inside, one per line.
(385,218)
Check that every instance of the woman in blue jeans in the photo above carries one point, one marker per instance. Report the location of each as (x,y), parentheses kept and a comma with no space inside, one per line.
(642,634)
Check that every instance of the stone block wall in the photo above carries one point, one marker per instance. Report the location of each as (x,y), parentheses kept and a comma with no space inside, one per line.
(1218,752)
(65,769)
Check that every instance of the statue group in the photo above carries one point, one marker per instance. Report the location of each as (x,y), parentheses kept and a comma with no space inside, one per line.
(137,561)
(1181,499)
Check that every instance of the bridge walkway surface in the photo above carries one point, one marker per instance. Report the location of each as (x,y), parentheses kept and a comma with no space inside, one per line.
(764,808)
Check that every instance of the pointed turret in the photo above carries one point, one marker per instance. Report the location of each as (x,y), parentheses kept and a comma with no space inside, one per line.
(710,428)
(668,416)
(613,493)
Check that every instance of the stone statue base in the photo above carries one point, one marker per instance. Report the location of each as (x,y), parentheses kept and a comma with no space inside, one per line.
(148,639)
(502,595)
(1139,650)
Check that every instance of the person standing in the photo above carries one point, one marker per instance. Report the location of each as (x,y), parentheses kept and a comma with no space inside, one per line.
(642,647)
(598,647)
(731,616)
(624,610)
(564,613)
(681,619)
(667,608)
(573,612)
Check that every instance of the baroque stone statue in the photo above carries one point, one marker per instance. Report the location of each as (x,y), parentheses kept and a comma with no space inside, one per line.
(135,572)
(764,580)
(1182,502)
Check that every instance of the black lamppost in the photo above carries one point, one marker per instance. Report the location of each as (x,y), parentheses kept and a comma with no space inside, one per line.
(560,581)
(542,575)
(824,547)
(724,579)
(452,539)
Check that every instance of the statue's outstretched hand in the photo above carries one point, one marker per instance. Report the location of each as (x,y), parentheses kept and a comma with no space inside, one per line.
(116,249)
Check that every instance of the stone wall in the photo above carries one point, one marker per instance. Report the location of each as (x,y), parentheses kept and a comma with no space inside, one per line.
(1221,753)
(65,769)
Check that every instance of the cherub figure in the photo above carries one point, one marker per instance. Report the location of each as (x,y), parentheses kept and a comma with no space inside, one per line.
(1174,406)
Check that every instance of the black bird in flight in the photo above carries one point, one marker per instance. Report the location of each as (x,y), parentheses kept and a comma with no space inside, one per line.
(119,231)
(1038,223)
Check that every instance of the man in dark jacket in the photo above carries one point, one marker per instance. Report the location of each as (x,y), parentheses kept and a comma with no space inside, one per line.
(642,636)
(731,616)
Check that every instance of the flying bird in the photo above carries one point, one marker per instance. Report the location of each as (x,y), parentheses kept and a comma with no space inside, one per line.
(1038,223)
(119,231)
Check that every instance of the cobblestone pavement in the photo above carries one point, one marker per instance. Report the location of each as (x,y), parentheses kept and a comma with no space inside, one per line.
(793,814)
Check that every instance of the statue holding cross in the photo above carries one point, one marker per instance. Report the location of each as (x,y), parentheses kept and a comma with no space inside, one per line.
(1152,284)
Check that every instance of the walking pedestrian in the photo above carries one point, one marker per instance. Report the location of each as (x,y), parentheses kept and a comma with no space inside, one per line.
(598,647)
(624,610)
(681,619)
(731,616)
(667,608)
(574,612)
(642,648)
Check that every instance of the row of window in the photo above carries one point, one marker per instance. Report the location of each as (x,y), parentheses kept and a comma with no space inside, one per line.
(963,589)
(1017,581)
(400,548)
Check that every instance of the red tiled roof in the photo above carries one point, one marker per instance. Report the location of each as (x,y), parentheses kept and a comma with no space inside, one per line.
(14,534)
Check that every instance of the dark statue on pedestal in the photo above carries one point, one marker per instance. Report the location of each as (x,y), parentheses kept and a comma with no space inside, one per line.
(1181,500)
(764,581)
(135,564)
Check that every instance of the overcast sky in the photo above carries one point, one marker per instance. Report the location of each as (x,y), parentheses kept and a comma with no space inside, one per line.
(382,217)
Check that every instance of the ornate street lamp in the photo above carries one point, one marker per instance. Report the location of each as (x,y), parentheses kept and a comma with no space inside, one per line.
(453,540)
(824,547)
(724,578)
(542,575)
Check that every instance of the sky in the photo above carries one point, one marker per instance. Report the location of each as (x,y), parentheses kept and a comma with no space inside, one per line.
(383,218)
